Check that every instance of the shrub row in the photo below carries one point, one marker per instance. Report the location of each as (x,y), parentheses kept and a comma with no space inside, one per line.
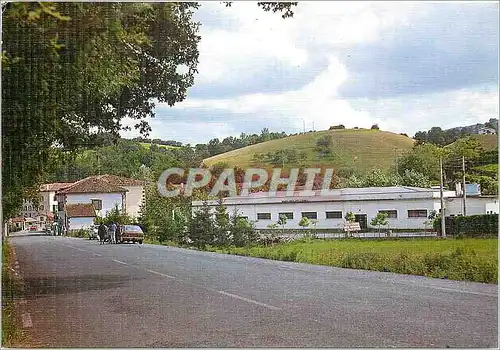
(473,225)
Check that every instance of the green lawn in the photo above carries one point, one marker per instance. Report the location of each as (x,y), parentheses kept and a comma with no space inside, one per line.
(469,259)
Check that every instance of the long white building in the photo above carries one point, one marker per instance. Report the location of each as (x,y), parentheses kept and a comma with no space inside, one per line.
(407,207)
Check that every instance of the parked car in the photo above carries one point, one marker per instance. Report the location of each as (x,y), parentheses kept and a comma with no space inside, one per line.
(93,232)
(130,233)
(33,228)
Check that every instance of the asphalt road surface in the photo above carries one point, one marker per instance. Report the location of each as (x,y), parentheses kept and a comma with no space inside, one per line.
(82,294)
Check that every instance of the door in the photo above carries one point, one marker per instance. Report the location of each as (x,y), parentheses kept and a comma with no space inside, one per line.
(363,221)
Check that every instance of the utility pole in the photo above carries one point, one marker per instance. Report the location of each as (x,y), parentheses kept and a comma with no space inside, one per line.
(396,159)
(463,182)
(313,127)
(443,222)
(304,125)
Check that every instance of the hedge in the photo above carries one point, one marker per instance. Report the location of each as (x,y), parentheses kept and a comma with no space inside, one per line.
(470,225)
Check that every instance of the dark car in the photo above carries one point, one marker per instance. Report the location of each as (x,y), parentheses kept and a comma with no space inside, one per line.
(130,233)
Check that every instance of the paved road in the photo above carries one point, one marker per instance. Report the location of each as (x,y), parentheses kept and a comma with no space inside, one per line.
(82,294)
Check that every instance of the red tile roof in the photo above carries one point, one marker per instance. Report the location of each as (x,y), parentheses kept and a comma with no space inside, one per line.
(80,210)
(18,219)
(93,184)
(121,181)
(56,186)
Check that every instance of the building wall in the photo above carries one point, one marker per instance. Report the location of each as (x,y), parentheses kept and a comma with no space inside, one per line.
(46,205)
(79,223)
(109,200)
(475,205)
(134,200)
(370,208)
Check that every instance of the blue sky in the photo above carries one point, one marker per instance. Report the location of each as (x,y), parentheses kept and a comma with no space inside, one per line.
(406,66)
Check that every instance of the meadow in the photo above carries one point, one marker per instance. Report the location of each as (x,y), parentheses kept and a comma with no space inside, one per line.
(466,259)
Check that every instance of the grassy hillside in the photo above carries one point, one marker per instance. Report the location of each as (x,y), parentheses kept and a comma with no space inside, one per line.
(488,142)
(352,149)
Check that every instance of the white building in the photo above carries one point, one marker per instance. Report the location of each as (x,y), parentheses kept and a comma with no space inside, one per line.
(46,207)
(407,207)
(104,193)
(79,216)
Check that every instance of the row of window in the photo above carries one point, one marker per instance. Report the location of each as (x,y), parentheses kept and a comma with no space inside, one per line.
(391,214)
(33,208)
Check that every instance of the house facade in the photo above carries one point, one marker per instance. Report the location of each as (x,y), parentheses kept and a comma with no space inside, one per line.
(79,216)
(407,207)
(103,193)
(43,213)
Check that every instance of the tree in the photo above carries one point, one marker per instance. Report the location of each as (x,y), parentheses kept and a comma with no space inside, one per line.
(120,57)
(413,178)
(350,217)
(221,223)
(242,231)
(334,127)
(324,145)
(423,159)
(282,220)
(375,127)
(380,220)
(201,227)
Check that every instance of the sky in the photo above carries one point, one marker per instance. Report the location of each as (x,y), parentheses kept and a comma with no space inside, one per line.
(406,66)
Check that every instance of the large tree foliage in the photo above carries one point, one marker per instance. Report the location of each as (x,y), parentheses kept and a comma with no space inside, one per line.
(71,69)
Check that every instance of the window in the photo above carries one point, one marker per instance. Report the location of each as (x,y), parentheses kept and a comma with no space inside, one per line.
(42,219)
(263,216)
(391,214)
(417,213)
(41,207)
(310,214)
(54,208)
(289,215)
(334,215)
(41,198)
(97,203)
(60,206)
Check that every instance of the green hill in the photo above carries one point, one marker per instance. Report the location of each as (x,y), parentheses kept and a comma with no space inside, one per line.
(488,142)
(352,150)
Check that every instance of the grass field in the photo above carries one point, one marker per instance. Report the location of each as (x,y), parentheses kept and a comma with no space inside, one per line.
(488,142)
(468,259)
(359,150)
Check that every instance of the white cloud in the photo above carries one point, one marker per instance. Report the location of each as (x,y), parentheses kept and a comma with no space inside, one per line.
(243,46)
(444,109)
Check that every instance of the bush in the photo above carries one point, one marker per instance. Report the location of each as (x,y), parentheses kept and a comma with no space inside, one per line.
(474,225)
(333,127)
(81,233)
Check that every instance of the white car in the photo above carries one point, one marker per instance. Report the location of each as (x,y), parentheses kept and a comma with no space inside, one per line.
(93,232)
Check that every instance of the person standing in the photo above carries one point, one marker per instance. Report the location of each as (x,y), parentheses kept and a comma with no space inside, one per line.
(112,231)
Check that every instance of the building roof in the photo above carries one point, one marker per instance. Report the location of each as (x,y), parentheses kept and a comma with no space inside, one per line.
(347,192)
(335,195)
(93,184)
(18,219)
(80,210)
(121,181)
(55,186)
